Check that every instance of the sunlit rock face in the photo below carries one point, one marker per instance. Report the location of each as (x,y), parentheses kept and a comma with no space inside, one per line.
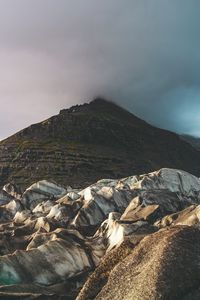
(55,236)
(13,190)
(41,191)
(164,265)
(99,201)
(190,216)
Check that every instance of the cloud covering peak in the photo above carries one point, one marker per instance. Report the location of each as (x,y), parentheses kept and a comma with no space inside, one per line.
(142,54)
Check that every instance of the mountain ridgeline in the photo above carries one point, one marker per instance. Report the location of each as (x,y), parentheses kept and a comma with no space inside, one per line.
(194,141)
(91,141)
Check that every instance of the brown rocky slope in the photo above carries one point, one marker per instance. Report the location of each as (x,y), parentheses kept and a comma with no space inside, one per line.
(88,142)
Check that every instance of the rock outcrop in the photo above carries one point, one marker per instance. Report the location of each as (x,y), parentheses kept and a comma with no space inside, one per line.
(88,142)
(165,265)
(132,238)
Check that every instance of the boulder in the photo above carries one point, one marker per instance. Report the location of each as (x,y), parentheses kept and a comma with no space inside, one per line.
(165,265)
(40,192)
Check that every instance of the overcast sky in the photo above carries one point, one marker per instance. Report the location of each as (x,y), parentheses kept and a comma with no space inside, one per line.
(143,54)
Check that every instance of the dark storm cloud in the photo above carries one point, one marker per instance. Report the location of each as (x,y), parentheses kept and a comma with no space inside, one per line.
(142,54)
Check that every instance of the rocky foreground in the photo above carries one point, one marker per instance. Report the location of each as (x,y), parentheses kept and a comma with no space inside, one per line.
(132,239)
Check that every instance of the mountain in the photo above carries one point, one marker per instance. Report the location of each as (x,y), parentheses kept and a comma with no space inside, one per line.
(128,238)
(91,141)
(194,141)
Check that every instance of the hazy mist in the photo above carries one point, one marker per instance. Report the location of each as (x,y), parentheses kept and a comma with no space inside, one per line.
(142,54)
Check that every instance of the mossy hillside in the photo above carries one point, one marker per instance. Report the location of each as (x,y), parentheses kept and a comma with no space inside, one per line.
(89,142)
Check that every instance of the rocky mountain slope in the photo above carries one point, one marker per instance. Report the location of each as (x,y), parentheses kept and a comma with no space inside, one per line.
(194,141)
(130,238)
(88,142)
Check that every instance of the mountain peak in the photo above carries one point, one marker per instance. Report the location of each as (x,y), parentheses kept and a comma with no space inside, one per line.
(90,141)
(96,104)
(102,101)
